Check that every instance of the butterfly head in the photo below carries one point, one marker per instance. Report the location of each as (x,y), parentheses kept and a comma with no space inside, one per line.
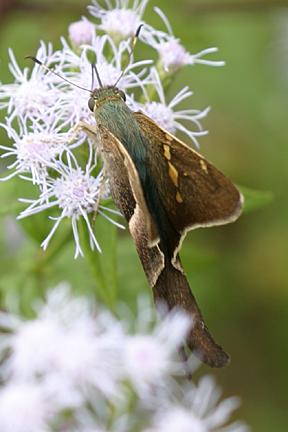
(102,95)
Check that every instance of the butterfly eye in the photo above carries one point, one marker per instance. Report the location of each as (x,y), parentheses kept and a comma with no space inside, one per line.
(122,94)
(91,104)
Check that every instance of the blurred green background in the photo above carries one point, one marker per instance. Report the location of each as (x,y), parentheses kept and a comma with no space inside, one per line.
(239,273)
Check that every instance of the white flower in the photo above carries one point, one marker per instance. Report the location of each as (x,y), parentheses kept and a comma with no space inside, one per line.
(149,358)
(167,117)
(177,419)
(146,362)
(77,193)
(23,408)
(44,336)
(81,32)
(120,21)
(79,360)
(60,303)
(35,151)
(172,54)
(71,354)
(31,95)
(198,411)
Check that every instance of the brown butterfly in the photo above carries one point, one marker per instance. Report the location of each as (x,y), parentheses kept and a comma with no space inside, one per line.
(164,189)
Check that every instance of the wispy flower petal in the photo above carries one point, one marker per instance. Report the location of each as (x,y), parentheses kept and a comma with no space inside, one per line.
(166,115)
(172,55)
(32,95)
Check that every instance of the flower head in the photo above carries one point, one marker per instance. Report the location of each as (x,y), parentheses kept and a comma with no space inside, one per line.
(148,359)
(198,411)
(70,347)
(120,22)
(172,54)
(81,32)
(23,407)
(34,150)
(31,95)
(77,193)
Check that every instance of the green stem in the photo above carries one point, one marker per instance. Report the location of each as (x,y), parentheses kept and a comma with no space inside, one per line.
(102,290)
(103,265)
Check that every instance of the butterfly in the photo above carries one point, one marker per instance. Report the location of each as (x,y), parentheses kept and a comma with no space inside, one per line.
(164,189)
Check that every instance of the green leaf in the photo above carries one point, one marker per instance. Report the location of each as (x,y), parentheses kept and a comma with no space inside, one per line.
(255,199)
(8,208)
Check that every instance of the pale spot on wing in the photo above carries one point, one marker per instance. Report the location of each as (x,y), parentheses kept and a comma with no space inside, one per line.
(167,153)
(173,174)
(203,166)
(179,198)
(169,137)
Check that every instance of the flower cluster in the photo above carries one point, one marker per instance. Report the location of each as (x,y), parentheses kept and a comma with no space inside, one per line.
(75,367)
(42,110)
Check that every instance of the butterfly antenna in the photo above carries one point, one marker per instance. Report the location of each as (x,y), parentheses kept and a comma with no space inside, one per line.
(131,50)
(92,76)
(55,73)
(94,68)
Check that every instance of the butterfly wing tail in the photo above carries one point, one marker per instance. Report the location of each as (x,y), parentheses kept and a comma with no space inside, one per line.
(170,286)
(173,288)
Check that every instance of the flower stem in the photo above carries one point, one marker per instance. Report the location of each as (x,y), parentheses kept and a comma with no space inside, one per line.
(103,265)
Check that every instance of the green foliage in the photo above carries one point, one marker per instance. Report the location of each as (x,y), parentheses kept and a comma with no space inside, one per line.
(255,199)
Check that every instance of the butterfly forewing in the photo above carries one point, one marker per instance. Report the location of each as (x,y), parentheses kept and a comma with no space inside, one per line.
(195,193)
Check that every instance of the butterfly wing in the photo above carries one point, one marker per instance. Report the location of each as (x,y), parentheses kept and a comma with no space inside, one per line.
(193,192)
